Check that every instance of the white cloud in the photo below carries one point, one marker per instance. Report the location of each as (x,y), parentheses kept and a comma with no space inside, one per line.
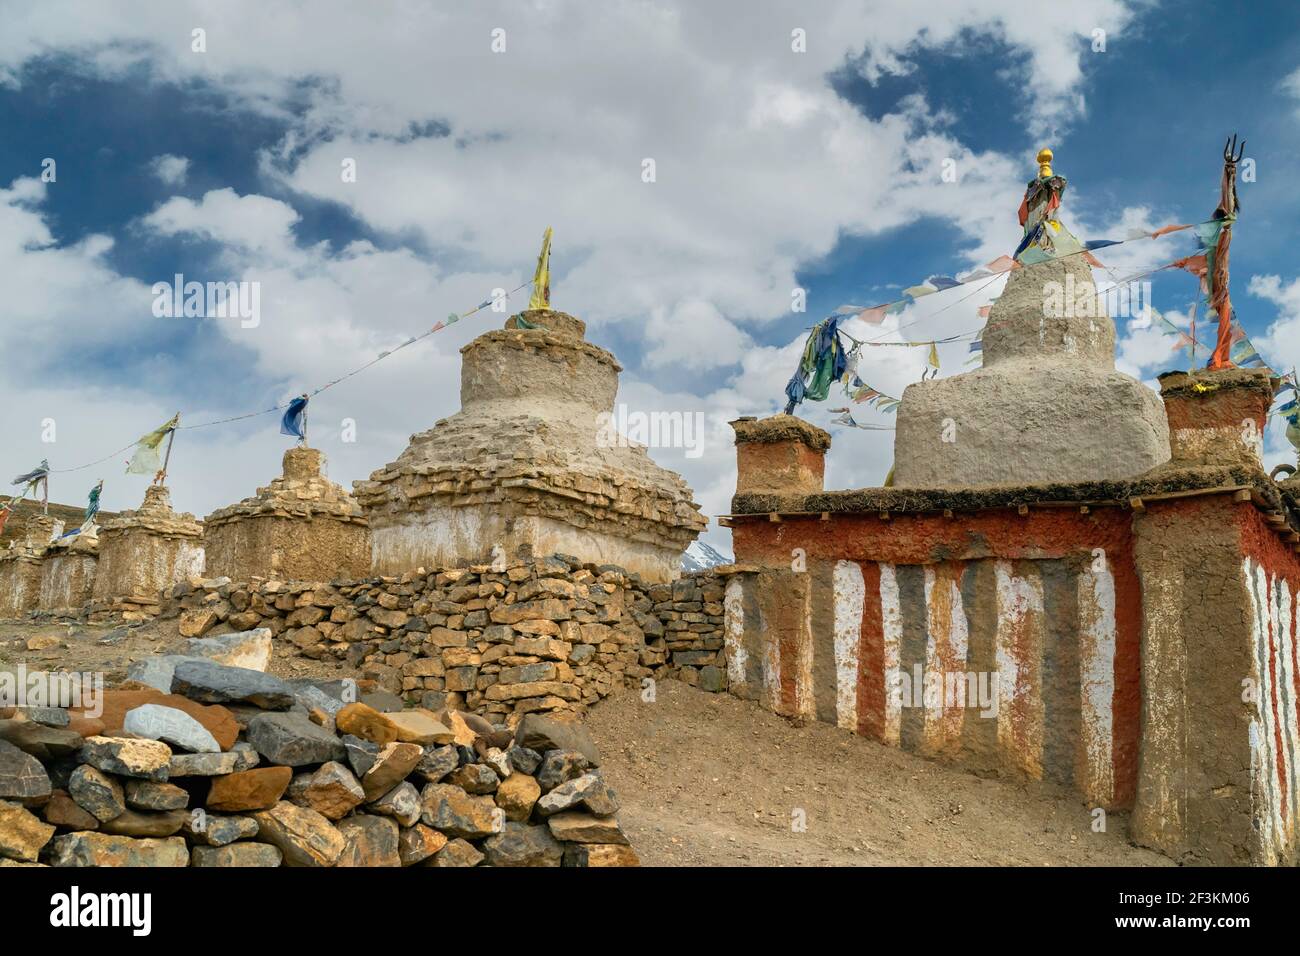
(762,169)
(170,169)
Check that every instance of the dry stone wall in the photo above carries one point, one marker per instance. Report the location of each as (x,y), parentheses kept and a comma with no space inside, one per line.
(549,635)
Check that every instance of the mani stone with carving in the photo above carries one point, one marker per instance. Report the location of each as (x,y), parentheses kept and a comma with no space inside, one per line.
(145,552)
(300,527)
(1048,406)
(523,468)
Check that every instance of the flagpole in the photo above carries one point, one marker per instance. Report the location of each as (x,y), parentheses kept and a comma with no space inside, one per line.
(161,478)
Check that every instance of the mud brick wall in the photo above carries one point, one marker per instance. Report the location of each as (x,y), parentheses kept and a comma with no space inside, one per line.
(549,635)
(1220,742)
(68,576)
(834,615)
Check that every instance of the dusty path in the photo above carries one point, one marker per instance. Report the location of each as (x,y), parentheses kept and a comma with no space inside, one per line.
(708,780)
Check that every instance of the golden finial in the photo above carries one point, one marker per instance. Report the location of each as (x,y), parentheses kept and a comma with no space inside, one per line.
(1044,163)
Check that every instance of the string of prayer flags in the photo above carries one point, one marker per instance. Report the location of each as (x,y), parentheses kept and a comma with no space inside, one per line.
(862,393)
(846,418)
(294,421)
(40,473)
(146,460)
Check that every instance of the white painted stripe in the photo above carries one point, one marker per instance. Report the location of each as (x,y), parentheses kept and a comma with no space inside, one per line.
(850,593)
(1020,608)
(1286,696)
(947,638)
(1097,678)
(891,619)
(771,668)
(733,608)
(1269,812)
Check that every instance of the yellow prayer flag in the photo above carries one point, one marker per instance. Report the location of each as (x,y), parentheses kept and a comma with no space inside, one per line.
(541,297)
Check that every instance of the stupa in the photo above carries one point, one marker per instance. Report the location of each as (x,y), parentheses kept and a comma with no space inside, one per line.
(1048,404)
(20,567)
(300,527)
(143,553)
(522,469)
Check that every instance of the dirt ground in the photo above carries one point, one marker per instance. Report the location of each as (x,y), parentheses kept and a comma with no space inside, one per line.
(710,780)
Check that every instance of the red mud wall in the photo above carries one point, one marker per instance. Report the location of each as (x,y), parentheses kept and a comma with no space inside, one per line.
(1008,642)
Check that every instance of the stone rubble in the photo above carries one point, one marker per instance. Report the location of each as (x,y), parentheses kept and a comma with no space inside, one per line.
(378,785)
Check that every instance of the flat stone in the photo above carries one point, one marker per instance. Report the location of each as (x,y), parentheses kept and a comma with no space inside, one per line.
(40,740)
(48,716)
(102,849)
(600,854)
(248,649)
(522,845)
(214,829)
(258,789)
(419,727)
(417,843)
(402,803)
(172,726)
(437,762)
(450,809)
(559,766)
(517,796)
(97,793)
(456,853)
(22,777)
(210,765)
(211,683)
(22,835)
(292,740)
(116,704)
(157,671)
(589,791)
(62,811)
(575,827)
(147,795)
(133,823)
(332,791)
(197,621)
(392,765)
(304,836)
(146,759)
(383,701)
(238,855)
(369,841)
(541,733)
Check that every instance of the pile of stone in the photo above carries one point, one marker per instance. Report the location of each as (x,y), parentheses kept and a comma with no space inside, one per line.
(554,634)
(207,764)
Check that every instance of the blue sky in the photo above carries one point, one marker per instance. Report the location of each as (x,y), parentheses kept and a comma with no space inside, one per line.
(775,170)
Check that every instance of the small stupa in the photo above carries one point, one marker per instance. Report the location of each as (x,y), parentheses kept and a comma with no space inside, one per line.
(20,567)
(143,553)
(300,527)
(526,467)
(1048,405)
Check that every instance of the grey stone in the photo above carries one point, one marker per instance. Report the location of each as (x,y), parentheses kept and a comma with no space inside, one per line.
(541,733)
(128,756)
(522,845)
(86,848)
(589,790)
(437,762)
(713,679)
(248,649)
(22,777)
(49,716)
(524,759)
(215,829)
(402,803)
(239,855)
(40,740)
(209,765)
(157,671)
(211,683)
(361,754)
(291,740)
(559,766)
(172,726)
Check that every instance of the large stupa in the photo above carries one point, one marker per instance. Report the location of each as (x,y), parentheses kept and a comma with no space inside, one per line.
(1048,404)
(527,467)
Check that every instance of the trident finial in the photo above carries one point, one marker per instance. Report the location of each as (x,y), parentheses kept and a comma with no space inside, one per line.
(1044,163)
(1230,147)
(541,297)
